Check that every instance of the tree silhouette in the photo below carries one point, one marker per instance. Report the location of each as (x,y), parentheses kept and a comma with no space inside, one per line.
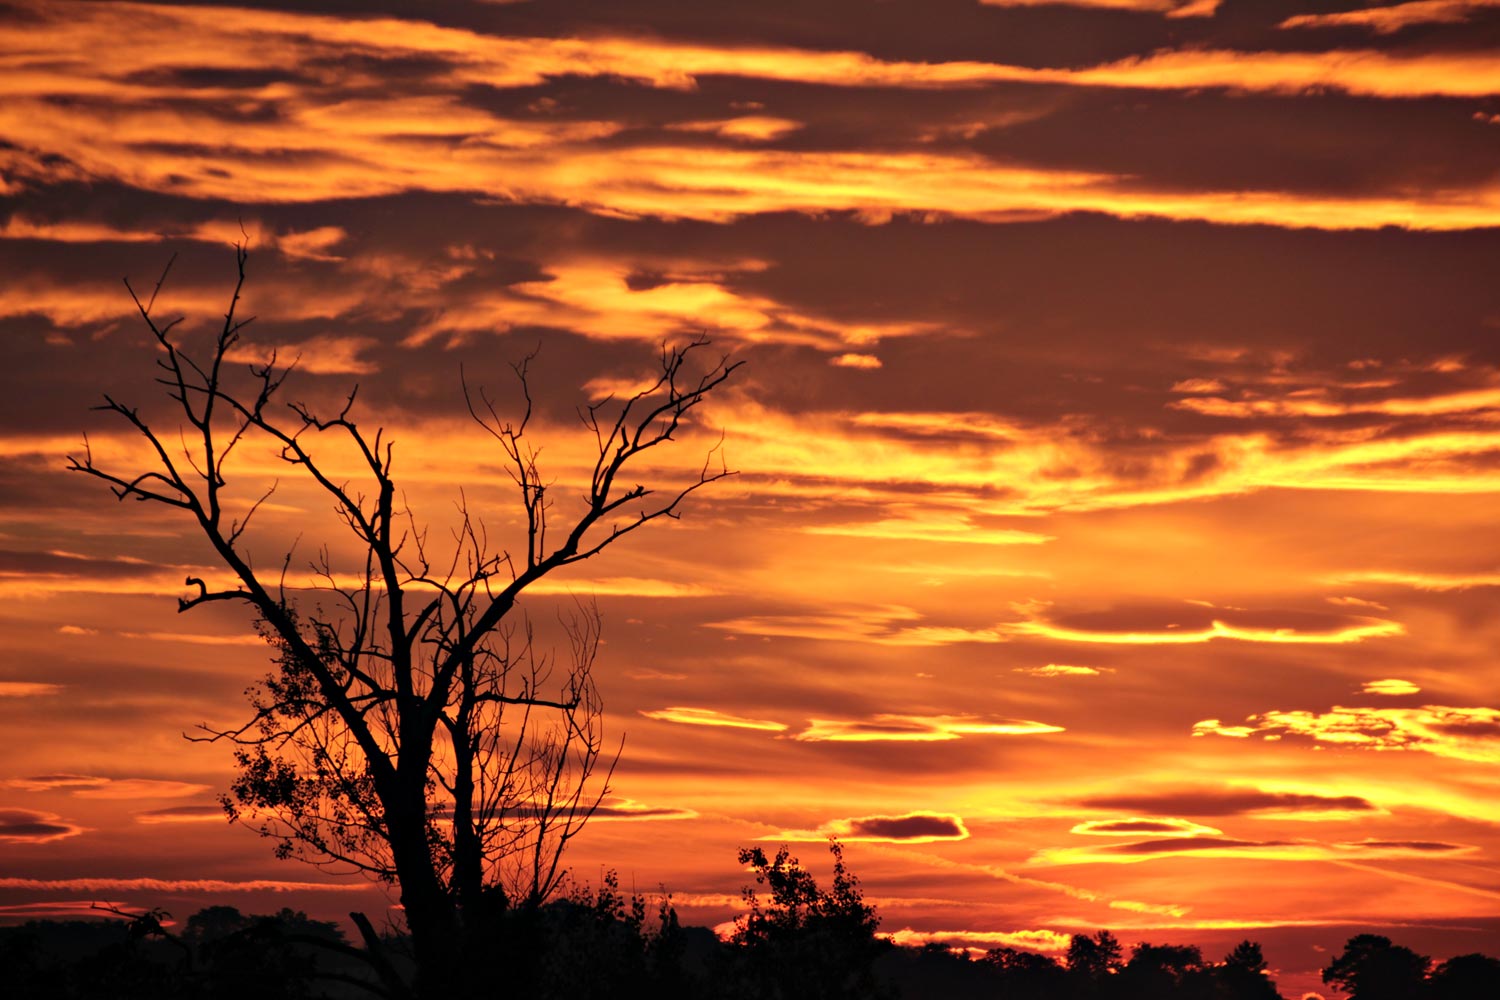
(1163,970)
(1466,977)
(1371,968)
(1242,974)
(411,729)
(809,943)
(1091,959)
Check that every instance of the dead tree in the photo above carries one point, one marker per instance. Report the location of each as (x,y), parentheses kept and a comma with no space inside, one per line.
(410,729)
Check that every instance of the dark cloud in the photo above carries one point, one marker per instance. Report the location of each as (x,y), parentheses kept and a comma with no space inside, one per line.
(1425,846)
(1176,845)
(14,562)
(1470,727)
(1225,802)
(26,826)
(913,826)
(1135,826)
(1250,141)
(180,814)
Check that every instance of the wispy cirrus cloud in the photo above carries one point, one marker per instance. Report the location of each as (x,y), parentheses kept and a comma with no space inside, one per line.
(1232,801)
(1026,940)
(1229,847)
(1420,580)
(712,717)
(917,729)
(615,807)
(183,814)
(88,786)
(1394,17)
(932,529)
(1171,8)
(207,885)
(884,625)
(1220,625)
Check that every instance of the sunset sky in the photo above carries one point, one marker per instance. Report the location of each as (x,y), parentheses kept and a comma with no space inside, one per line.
(1118,435)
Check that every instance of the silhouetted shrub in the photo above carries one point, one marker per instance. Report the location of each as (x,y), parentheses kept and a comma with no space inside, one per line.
(807,943)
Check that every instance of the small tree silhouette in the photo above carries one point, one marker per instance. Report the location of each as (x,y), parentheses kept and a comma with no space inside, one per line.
(808,943)
(410,729)
(1371,968)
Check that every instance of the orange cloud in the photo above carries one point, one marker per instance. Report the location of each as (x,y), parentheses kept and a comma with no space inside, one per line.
(1171,8)
(710,717)
(325,144)
(174,885)
(1027,940)
(27,826)
(750,128)
(27,689)
(885,626)
(1467,401)
(1393,18)
(1224,847)
(610,301)
(320,355)
(908,828)
(1422,581)
(182,814)
(1164,909)
(917,728)
(616,808)
(1368,628)
(1471,734)
(1389,685)
(1145,826)
(86,786)
(622,586)
(932,529)
(1063,670)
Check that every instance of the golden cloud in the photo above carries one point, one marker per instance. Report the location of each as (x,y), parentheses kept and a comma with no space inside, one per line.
(1358,631)
(174,885)
(1471,734)
(326,144)
(1063,670)
(1421,581)
(711,717)
(1027,940)
(1225,847)
(1389,685)
(1394,17)
(1144,826)
(917,728)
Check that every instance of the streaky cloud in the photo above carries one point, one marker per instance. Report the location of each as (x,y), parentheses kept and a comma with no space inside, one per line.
(917,729)
(711,717)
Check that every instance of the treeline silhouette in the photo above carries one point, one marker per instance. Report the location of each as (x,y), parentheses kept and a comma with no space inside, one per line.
(801,942)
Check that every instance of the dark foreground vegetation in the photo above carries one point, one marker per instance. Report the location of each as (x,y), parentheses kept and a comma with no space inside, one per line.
(796,941)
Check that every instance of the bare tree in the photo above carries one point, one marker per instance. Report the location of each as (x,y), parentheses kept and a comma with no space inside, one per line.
(411,728)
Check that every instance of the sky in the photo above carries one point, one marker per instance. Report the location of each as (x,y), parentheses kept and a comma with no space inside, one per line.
(1117,439)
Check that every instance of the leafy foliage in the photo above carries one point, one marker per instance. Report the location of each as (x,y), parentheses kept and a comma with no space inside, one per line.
(808,942)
